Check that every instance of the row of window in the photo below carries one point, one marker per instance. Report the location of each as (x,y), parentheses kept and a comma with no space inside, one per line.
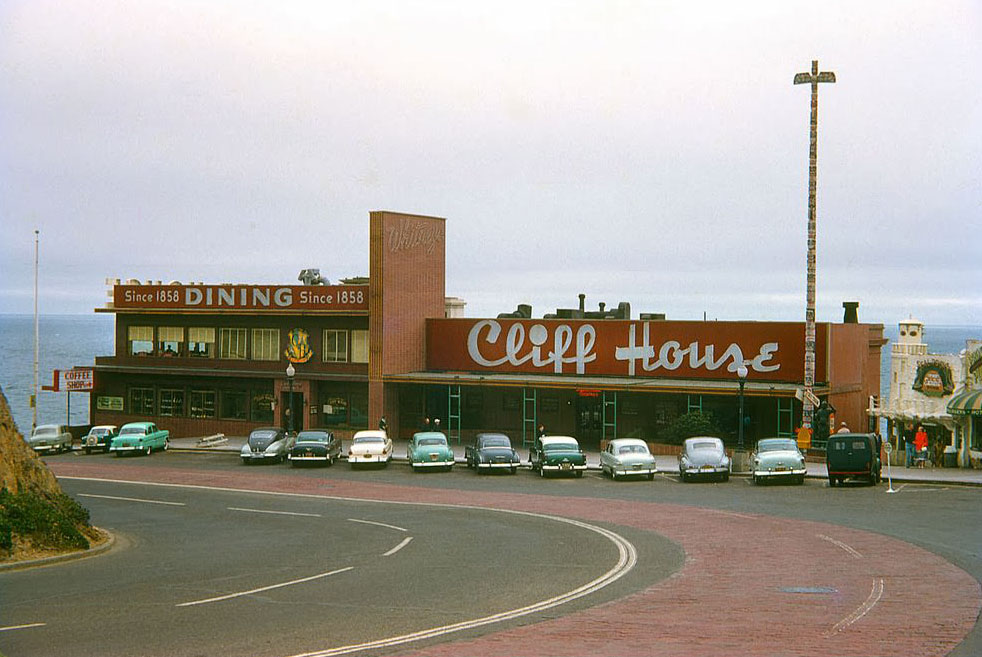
(255,405)
(338,345)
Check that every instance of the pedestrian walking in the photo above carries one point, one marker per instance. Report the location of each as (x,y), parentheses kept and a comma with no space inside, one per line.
(920,446)
(382,424)
(436,424)
(908,436)
(541,433)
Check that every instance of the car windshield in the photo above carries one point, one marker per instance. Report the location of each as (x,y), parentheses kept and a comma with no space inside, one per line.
(633,449)
(45,430)
(704,445)
(369,439)
(496,442)
(558,447)
(261,435)
(312,437)
(776,445)
(432,441)
(132,431)
(98,431)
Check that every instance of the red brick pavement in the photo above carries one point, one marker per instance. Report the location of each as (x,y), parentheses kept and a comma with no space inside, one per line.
(708,607)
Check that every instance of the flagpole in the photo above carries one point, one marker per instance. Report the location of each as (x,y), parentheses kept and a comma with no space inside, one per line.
(34,396)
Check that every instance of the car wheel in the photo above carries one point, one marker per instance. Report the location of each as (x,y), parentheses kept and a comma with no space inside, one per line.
(801,480)
(651,476)
(683,477)
(166,445)
(831,481)
(613,475)
(88,450)
(726,476)
(149,448)
(542,473)
(514,469)
(579,473)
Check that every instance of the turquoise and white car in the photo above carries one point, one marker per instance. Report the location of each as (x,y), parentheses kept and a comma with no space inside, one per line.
(429,449)
(139,437)
(777,458)
(626,457)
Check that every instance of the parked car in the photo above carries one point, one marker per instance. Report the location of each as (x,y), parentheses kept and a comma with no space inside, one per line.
(266,444)
(777,458)
(99,437)
(429,449)
(50,438)
(625,457)
(315,447)
(371,446)
(853,455)
(490,452)
(139,437)
(703,456)
(557,454)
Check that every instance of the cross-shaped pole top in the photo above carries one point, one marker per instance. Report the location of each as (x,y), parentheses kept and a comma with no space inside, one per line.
(814,77)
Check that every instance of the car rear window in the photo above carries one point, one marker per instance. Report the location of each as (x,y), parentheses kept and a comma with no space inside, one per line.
(368,439)
(132,431)
(495,442)
(312,437)
(633,449)
(706,445)
(559,446)
(45,430)
(432,441)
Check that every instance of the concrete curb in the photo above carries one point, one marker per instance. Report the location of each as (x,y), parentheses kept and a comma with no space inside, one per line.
(62,558)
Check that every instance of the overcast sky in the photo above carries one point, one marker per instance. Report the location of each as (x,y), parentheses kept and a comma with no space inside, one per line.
(650,152)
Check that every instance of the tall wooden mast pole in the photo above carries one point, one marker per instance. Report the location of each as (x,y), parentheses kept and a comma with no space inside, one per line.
(813,78)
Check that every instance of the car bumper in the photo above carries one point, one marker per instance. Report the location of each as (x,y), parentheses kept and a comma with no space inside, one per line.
(304,457)
(127,448)
(46,448)
(706,470)
(431,464)
(626,472)
(368,458)
(779,473)
(563,468)
(495,466)
(258,456)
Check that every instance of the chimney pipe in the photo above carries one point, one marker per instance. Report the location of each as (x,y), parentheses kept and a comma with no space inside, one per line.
(582,301)
(850,315)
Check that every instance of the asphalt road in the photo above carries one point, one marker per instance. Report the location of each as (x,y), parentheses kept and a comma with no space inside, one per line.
(171,555)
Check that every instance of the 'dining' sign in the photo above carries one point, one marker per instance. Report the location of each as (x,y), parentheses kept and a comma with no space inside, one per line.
(772,351)
(241,297)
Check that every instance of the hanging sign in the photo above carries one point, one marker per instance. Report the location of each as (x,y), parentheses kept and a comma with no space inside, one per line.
(298,346)
(934,379)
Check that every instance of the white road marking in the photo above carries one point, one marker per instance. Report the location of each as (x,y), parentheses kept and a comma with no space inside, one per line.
(279,513)
(842,545)
(132,499)
(404,543)
(732,513)
(862,610)
(672,479)
(21,627)
(264,588)
(379,524)
(627,559)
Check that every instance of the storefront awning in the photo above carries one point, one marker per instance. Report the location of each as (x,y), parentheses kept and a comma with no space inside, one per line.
(966,403)
(623,384)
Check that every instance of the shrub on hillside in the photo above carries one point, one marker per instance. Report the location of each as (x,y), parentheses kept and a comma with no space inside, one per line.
(51,521)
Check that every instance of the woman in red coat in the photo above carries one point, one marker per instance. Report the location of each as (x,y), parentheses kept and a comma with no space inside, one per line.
(920,445)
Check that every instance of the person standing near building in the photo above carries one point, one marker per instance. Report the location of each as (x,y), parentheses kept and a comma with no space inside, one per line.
(920,445)
(843,428)
(908,437)
(383,425)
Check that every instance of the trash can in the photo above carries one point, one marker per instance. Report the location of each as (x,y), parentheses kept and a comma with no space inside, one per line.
(950,457)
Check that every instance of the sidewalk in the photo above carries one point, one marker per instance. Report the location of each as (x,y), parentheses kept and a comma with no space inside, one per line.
(667,464)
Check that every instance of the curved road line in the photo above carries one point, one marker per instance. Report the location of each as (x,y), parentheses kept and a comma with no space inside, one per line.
(377,524)
(626,560)
(862,610)
(229,596)
(404,543)
(848,548)
(21,627)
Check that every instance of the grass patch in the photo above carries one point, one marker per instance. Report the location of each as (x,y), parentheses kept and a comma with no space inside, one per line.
(47,521)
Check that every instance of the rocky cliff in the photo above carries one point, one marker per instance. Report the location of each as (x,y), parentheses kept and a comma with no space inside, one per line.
(20,468)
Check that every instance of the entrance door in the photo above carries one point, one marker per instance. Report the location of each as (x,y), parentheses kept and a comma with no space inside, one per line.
(297,411)
(589,420)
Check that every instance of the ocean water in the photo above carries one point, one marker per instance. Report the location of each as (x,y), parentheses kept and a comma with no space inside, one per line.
(68,341)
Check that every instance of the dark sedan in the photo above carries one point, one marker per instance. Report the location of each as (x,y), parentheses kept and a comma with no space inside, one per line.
(315,447)
(490,452)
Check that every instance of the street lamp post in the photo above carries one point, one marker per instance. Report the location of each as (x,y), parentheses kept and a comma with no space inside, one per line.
(742,373)
(290,371)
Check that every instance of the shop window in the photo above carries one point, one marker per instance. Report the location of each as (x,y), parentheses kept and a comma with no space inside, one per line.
(141,401)
(232,343)
(359,346)
(262,407)
(172,403)
(233,405)
(202,403)
(265,344)
(335,346)
(140,340)
(358,411)
(170,340)
(201,342)
(335,411)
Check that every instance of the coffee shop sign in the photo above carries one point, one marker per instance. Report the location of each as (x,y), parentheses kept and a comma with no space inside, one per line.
(564,345)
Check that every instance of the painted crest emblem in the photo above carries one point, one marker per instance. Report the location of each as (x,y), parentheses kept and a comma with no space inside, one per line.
(298,346)
(934,379)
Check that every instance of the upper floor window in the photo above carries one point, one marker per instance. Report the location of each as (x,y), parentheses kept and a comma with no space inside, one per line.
(335,346)
(232,343)
(201,342)
(170,340)
(359,346)
(140,340)
(265,344)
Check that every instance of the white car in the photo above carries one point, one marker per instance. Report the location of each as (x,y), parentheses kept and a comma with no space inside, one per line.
(625,457)
(370,447)
(50,438)
(703,456)
(777,458)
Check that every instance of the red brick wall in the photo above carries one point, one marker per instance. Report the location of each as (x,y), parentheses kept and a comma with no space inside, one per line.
(407,274)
